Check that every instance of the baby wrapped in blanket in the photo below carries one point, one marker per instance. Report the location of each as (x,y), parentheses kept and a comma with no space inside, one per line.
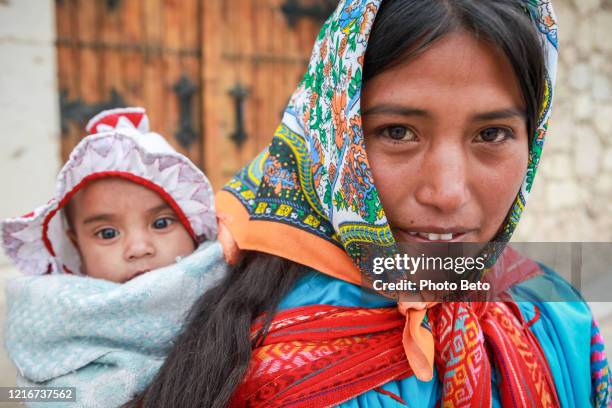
(116,260)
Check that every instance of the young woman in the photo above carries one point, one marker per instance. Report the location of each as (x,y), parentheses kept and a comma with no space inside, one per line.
(417,121)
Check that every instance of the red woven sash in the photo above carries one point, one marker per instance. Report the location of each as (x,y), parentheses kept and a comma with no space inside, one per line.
(323,355)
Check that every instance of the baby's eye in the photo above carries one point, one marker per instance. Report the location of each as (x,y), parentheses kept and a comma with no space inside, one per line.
(107,233)
(494,135)
(163,222)
(399,133)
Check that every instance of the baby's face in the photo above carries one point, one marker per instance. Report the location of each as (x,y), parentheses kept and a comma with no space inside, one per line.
(122,230)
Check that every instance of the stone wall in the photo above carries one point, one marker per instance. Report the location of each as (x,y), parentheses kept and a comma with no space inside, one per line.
(29,114)
(571,198)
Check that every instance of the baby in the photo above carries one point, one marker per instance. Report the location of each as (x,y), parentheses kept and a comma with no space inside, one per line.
(122,229)
(110,289)
(126,203)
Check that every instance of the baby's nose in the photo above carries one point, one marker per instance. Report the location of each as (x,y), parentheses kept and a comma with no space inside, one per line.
(138,247)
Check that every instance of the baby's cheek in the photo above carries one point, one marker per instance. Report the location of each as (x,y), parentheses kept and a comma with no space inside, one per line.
(182,243)
(104,263)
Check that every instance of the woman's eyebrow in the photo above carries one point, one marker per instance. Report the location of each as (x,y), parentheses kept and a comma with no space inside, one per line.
(479,117)
(395,110)
(500,114)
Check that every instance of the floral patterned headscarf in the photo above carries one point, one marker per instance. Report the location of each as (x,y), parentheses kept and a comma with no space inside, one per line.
(310,196)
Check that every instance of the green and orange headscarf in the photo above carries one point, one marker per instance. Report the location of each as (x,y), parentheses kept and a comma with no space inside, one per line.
(310,196)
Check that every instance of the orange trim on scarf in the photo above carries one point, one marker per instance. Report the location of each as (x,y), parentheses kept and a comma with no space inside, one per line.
(291,243)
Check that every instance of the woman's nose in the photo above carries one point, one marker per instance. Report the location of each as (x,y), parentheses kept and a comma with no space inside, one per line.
(443,182)
(139,245)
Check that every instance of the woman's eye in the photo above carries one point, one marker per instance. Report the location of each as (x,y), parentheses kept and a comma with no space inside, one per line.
(162,223)
(107,233)
(494,135)
(399,133)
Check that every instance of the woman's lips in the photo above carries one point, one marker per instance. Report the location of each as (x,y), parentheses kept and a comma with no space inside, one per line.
(437,235)
(433,237)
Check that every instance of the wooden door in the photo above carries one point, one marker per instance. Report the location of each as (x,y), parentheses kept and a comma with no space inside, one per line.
(251,47)
(131,53)
(187,62)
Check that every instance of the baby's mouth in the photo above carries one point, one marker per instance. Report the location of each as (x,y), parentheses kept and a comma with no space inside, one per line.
(141,272)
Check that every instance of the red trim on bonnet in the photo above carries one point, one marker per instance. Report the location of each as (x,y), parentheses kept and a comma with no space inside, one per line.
(124,175)
(111,118)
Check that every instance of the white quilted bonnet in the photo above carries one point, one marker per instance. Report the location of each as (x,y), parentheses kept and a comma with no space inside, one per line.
(119,145)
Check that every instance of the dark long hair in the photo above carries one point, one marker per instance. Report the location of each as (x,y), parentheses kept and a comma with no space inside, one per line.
(211,355)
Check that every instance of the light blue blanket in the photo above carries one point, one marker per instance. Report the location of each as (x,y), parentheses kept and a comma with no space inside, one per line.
(106,339)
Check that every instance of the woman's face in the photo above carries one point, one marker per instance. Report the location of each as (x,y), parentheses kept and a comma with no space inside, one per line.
(446,138)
